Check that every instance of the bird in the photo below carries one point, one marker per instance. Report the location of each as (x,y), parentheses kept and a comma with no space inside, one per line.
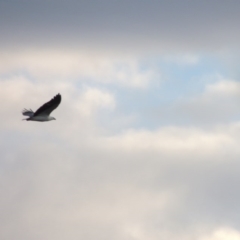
(42,114)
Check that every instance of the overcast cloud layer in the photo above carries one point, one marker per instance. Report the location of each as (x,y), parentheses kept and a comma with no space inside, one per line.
(146,141)
(138,25)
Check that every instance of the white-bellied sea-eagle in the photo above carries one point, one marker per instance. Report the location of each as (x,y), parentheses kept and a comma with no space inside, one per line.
(42,114)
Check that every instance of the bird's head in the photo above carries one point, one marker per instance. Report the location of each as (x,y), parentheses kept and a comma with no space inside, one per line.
(52,118)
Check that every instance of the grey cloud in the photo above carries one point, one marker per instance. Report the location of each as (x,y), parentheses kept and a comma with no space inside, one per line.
(147,25)
(211,107)
(68,180)
(74,182)
(65,191)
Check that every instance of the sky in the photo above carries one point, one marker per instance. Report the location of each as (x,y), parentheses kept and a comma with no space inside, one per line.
(146,141)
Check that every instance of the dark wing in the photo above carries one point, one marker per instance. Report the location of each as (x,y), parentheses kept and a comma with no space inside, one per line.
(48,107)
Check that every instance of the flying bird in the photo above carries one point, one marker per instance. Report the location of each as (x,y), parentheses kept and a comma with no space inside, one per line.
(42,114)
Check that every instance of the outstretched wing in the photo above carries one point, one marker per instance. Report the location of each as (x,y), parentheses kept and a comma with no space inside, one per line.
(48,107)
(26,112)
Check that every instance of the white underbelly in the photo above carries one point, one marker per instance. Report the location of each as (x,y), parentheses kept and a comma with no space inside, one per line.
(40,118)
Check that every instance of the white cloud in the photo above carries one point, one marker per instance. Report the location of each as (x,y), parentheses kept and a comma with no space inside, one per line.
(223,234)
(224,88)
(50,65)
(137,185)
(174,140)
(93,99)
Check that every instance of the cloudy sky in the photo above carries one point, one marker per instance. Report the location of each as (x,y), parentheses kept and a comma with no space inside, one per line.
(146,142)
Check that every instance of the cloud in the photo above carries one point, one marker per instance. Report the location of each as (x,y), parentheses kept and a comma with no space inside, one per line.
(217,103)
(138,184)
(93,99)
(223,234)
(170,139)
(63,180)
(80,107)
(224,87)
(184,59)
(103,170)
(136,26)
(55,65)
